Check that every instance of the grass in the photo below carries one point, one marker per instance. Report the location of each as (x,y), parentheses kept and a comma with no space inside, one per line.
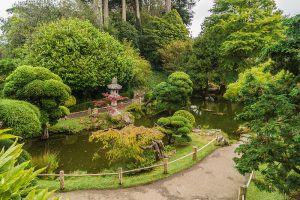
(79,183)
(69,126)
(254,193)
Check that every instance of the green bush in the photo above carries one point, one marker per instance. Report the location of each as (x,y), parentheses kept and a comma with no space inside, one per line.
(71,101)
(158,32)
(175,92)
(176,125)
(69,126)
(135,109)
(187,115)
(64,110)
(21,116)
(85,58)
(124,31)
(40,87)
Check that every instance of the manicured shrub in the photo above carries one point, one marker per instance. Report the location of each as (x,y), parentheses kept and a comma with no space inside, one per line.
(21,116)
(175,92)
(187,115)
(176,125)
(64,110)
(85,58)
(40,87)
(71,101)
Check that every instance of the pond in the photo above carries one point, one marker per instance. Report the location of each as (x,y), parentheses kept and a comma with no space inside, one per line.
(76,152)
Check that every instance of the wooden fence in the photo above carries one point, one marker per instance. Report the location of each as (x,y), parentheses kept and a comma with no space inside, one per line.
(243,188)
(120,171)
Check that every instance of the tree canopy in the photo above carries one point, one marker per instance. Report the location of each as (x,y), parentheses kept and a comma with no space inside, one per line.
(175,92)
(40,87)
(85,58)
(158,32)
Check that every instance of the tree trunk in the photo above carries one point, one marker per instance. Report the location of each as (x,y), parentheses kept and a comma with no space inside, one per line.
(168,6)
(46,132)
(137,10)
(105,13)
(124,10)
(98,11)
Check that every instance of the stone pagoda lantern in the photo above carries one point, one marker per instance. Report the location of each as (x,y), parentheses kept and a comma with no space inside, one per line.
(114,91)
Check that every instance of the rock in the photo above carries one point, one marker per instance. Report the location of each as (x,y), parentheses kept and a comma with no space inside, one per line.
(196,130)
(221,141)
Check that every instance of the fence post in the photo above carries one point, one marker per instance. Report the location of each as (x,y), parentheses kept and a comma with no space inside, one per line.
(242,192)
(120,172)
(194,153)
(165,165)
(61,180)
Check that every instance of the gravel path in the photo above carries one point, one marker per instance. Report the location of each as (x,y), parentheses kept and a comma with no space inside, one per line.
(214,178)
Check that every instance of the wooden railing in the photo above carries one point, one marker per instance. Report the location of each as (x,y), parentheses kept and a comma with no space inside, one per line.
(120,171)
(243,188)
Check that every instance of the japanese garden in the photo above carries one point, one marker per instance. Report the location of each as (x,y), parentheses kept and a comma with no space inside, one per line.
(116,99)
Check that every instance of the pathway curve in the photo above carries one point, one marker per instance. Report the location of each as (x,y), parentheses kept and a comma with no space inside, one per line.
(214,178)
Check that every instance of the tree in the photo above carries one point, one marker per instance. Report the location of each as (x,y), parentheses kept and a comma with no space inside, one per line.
(27,15)
(40,87)
(202,65)
(238,32)
(158,32)
(17,179)
(126,145)
(85,58)
(272,113)
(174,55)
(184,8)
(179,124)
(175,92)
(21,116)
(286,53)
(98,9)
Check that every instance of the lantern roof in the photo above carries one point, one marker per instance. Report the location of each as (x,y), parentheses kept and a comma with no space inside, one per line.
(114,85)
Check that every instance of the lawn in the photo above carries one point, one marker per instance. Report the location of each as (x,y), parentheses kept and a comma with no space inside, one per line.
(77,183)
(254,193)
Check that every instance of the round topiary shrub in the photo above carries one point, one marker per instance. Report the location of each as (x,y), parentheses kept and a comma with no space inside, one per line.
(22,117)
(84,57)
(187,115)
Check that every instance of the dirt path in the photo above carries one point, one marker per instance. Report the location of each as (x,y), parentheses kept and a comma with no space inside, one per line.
(212,179)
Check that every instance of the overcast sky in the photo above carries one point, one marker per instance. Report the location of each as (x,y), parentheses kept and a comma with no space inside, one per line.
(201,10)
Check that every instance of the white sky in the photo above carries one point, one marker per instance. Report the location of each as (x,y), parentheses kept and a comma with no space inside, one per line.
(289,7)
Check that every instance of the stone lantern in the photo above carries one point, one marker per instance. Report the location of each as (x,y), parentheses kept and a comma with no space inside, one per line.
(114,90)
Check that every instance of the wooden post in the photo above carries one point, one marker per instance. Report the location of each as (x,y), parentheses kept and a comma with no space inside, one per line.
(194,153)
(165,165)
(120,172)
(61,180)
(242,192)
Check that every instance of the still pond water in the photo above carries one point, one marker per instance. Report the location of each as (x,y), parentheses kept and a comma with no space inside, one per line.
(76,152)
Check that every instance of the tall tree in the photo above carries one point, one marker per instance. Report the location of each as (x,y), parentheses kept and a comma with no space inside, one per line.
(238,32)
(272,105)
(137,11)
(124,10)
(105,13)
(98,9)
(168,5)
